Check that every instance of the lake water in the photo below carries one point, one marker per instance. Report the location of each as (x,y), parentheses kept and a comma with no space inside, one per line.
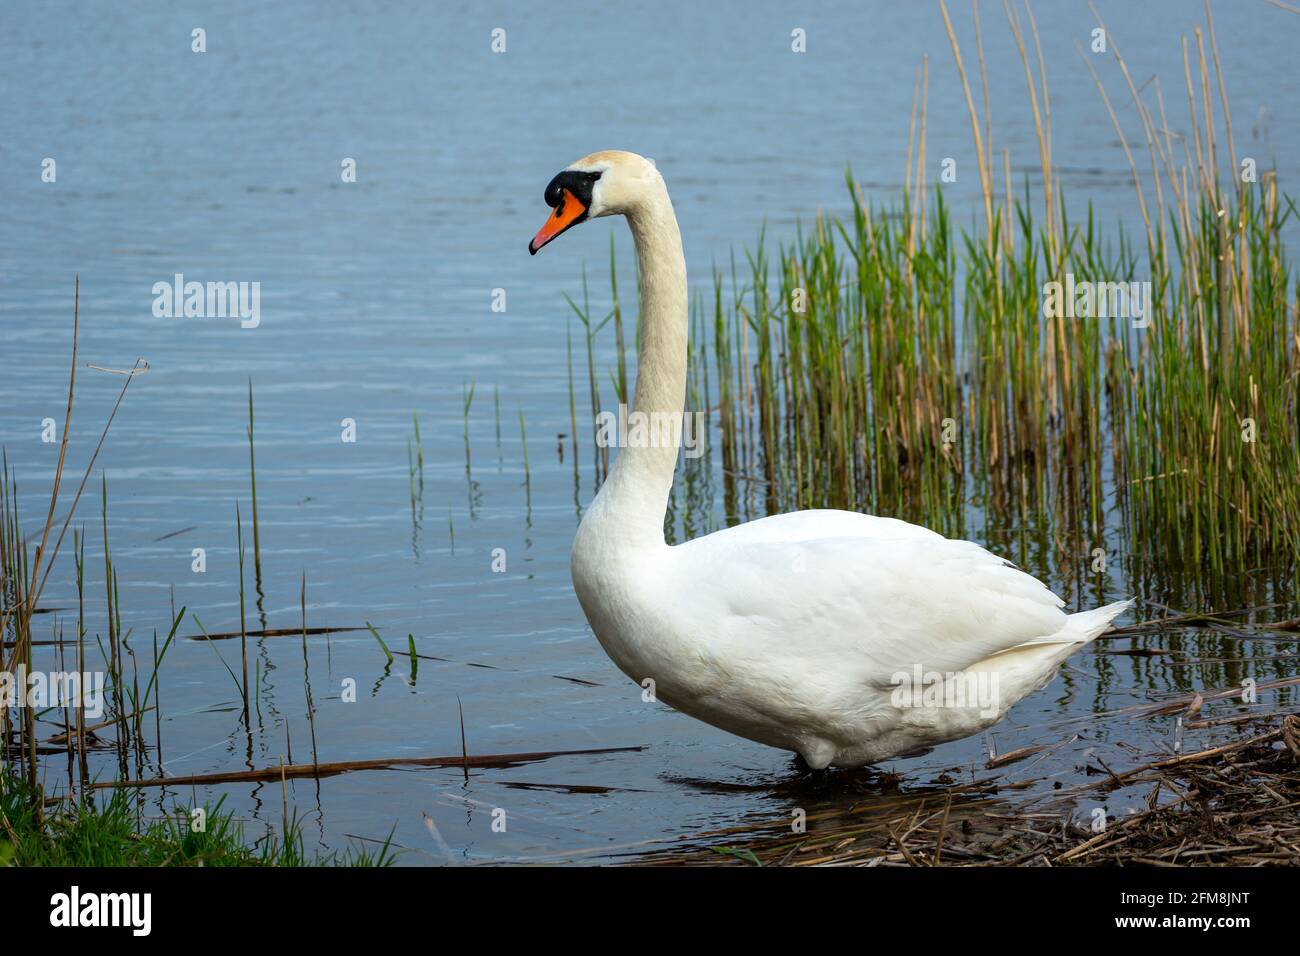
(376,303)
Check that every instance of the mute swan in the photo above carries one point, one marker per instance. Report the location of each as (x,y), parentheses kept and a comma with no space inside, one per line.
(844,637)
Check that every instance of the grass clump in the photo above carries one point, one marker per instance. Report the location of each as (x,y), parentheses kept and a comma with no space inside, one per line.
(115,832)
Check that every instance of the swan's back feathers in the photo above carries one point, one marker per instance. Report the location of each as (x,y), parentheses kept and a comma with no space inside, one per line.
(887,602)
(824,523)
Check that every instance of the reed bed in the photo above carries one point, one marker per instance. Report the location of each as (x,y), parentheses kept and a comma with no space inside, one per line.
(892,362)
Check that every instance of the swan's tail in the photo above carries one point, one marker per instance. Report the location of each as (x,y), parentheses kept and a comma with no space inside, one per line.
(1083,627)
(1029,667)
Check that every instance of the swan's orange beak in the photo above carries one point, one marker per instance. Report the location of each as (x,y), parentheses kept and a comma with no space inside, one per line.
(567,214)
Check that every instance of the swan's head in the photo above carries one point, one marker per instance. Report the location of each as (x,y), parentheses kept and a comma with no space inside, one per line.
(609,183)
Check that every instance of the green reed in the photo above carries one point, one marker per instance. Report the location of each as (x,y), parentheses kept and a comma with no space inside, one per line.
(252,481)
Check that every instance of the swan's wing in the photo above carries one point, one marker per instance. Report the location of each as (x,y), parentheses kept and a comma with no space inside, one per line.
(874,605)
(821,523)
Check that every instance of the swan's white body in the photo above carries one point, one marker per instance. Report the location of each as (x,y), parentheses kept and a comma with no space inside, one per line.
(795,630)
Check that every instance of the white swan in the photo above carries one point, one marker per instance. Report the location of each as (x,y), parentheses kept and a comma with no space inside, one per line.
(843,637)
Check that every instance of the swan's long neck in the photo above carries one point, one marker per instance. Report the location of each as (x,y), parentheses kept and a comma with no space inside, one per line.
(634,498)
